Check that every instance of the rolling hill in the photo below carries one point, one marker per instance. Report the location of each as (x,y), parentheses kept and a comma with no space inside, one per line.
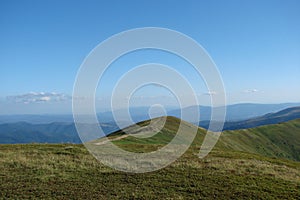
(278,140)
(237,168)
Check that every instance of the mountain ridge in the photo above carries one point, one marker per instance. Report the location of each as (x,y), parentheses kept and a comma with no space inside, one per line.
(276,140)
(65,132)
(270,118)
(235,112)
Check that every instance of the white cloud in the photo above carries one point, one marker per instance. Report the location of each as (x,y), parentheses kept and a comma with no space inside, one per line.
(210,93)
(45,98)
(251,91)
(35,97)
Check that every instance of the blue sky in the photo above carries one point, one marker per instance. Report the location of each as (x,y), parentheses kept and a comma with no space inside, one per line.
(255,45)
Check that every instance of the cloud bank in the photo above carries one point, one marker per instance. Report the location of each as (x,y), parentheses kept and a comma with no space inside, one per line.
(251,91)
(210,93)
(39,97)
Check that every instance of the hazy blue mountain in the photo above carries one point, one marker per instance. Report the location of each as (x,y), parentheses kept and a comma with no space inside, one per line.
(236,112)
(137,114)
(270,118)
(36,119)
(61,129)
(57,132)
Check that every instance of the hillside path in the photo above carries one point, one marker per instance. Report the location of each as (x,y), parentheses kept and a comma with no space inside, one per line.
(106,141)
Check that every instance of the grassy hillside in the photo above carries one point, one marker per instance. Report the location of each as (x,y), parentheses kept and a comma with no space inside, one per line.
(69,172)
(47,171)
(278,140)
(160,139)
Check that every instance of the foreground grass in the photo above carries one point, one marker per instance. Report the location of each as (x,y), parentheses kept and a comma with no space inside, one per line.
(70,172)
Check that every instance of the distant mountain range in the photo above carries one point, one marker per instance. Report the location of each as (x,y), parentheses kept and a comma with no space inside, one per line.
(37,128)
(57,132)
(136,113)
(236,112)
(271,118)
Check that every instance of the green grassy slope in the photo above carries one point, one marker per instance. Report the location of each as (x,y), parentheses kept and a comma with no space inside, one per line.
(161,138)
(279,140)
(44,171)
(68,172)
